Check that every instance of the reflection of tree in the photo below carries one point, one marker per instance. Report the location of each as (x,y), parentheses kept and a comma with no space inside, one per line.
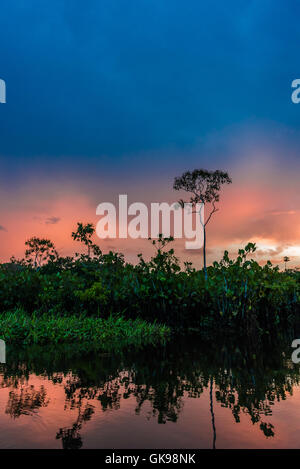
(212,413)
(70,437)
(267,429)
(251,386)
(159,378)
(242,384)
(26,401)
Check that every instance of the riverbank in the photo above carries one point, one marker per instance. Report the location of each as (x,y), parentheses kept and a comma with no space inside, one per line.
(19,328)
(238,295)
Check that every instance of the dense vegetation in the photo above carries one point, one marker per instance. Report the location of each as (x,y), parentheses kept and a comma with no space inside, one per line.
(238,295)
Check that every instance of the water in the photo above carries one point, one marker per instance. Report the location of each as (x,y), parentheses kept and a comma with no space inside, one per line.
(188,394)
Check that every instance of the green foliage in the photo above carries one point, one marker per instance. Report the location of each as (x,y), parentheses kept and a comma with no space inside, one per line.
(97,294)
(239,294)
(18,327)
(252,295)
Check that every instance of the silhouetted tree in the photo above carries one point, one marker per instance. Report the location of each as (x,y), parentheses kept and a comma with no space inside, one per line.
(40,250)
(83,234)
(286,259)
(204,187)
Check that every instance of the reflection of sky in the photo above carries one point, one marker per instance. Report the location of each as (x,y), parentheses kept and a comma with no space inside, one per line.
(123,428)
(120,98)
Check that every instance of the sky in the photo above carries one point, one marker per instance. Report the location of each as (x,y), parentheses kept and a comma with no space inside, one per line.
(119,97)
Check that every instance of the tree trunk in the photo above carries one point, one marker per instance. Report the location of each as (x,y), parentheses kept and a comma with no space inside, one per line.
(212,413)
(204,251)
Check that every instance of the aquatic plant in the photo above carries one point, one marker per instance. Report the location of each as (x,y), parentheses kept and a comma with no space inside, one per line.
(18,327)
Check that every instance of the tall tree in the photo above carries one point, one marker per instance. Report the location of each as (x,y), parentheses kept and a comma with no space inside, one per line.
(204,187)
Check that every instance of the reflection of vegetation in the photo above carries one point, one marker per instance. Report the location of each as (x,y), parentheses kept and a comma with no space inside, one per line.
(254,389)
(232,376)
(267,429)
(27,401)
(70,437)
(212,413)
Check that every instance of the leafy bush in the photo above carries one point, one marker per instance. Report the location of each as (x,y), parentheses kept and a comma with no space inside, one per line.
(238,294)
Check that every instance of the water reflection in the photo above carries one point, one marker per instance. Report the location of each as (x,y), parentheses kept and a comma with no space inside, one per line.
(160,381)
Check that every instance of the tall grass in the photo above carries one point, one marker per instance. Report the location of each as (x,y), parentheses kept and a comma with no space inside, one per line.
(19,328)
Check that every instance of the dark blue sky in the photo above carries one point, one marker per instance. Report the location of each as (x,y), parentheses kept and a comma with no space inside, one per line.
(108,78)
(112,96)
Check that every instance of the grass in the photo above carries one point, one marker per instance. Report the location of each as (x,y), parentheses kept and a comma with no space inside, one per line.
(19,328)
